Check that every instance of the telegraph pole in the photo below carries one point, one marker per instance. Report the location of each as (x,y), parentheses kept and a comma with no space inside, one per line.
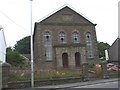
(32,68)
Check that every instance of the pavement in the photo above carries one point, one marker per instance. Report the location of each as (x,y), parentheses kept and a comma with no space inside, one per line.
(78,84)
(68,86)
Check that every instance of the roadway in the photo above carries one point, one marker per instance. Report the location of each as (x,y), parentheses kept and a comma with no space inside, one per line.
(113,84)
(105,84)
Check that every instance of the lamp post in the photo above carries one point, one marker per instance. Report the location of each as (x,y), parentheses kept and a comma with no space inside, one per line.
(119,19)
(32,68)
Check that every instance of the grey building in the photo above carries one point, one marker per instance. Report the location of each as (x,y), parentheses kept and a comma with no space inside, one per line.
(114,52)
(64,39)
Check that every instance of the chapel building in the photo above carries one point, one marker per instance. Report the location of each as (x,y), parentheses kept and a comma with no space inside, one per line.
(64,39)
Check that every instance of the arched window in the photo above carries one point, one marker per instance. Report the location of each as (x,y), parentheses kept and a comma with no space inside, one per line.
(89,45)
(47,38)
(62,37)
(48,45)
(75,37)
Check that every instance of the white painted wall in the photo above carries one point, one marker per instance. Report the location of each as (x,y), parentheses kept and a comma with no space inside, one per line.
(106,55)
(2,46)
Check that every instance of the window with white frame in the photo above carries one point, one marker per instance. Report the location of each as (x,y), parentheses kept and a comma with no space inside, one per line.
(48,45)
(62,37)
(89,45)
(75,37)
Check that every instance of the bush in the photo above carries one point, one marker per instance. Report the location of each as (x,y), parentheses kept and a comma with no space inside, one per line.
(23,76)
(14,58)
(19,77)
(56,74)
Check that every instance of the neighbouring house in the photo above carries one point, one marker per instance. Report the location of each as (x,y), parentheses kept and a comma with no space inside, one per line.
(114,52)
(2,46)
(64,39)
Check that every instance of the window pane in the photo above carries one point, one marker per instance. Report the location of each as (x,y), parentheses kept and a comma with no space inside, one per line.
(48,46)
(75,37)
(62,37)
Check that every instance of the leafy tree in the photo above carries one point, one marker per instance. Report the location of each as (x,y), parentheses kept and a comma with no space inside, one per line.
(14,58)
(23,45)
(102,47)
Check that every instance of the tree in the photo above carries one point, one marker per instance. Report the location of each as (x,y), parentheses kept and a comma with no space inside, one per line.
(14,58)
(102,47)
(23,45)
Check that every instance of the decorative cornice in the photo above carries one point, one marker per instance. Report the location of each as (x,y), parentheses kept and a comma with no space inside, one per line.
(70,45)
(68,24)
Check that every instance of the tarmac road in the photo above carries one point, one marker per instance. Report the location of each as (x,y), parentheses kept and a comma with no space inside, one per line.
(113,84)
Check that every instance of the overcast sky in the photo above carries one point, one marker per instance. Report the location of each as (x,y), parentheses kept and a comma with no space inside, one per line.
(15,16)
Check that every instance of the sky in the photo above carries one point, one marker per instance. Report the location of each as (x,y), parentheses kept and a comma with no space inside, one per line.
(15,16)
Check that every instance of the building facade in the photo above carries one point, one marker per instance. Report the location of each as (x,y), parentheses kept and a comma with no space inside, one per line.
(64,39)
(114,52)
(2,46)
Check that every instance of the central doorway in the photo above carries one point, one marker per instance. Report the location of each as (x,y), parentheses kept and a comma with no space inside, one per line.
(77,59)
(65,60)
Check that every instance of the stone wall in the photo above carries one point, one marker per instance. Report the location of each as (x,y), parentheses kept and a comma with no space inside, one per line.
(71,55)
(54,30)
(5,74)
(55,24)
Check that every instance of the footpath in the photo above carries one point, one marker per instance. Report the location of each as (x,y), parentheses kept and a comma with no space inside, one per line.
(79,84)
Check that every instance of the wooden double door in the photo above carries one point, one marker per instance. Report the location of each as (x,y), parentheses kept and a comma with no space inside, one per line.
(65,60)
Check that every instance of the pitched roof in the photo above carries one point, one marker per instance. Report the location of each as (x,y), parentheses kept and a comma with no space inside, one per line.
(48,17)
(114,51)
(63,7)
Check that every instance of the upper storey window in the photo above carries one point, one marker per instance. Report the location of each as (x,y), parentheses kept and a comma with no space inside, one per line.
(75,37)
(62,37)
(48,46)
(47,38)
(89,45)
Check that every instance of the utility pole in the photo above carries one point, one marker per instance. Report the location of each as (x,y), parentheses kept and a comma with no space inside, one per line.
(118,19)
(32,68)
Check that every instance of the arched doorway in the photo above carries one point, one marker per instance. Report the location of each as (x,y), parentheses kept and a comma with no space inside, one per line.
(77,59)
(65,60)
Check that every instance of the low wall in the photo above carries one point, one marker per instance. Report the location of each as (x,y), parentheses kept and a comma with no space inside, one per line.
(38,83)
(52,81)
(4,75)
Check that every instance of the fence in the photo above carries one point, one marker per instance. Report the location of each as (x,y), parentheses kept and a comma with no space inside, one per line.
(5,67)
